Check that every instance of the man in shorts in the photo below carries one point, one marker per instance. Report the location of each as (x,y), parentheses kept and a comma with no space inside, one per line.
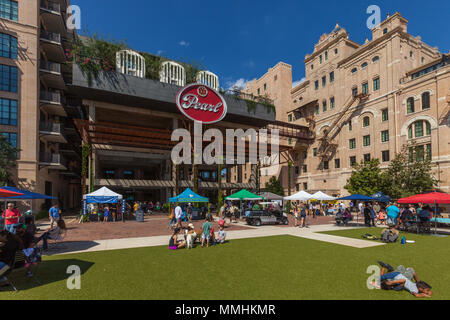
(206,232)
(53,215)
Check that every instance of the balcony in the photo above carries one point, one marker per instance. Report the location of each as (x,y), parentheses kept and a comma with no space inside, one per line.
(52,132)
(51,74)
(52,16)
(52,161)
(51,103)
(51,44)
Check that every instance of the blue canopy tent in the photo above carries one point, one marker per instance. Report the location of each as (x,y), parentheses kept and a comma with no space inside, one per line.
(381,197)
(358,197)
(27,196)
(188,196)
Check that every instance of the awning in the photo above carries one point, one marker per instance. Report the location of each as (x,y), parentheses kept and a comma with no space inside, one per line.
(309,104)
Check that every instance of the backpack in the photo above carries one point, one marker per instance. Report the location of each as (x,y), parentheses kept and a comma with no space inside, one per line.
(388,236)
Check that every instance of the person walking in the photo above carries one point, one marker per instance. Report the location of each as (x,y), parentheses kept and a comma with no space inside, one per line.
(53,214)
(178,215)
(302,215)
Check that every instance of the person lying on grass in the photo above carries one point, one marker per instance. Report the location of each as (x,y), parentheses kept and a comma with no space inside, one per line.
(174,244)
(402,278)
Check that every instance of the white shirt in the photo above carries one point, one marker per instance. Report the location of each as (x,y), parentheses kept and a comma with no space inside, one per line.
(360,205)
(178,212)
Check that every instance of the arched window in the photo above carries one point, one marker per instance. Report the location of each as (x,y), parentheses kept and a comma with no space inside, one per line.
(419,129)
(366,122)
(354,70)
(364,65)
(425,100)
(410,105)
(375,59)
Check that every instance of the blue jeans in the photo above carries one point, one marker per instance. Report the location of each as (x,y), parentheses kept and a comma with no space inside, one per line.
(11,228)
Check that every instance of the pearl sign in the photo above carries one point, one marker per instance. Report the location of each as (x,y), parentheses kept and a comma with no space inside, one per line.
(201,103)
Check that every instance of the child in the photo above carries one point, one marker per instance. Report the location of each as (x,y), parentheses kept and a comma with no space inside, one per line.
(105,214)
(221,235)
(382,217)
(212,236)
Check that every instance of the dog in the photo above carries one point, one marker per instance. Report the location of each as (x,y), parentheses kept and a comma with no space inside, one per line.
(190,240)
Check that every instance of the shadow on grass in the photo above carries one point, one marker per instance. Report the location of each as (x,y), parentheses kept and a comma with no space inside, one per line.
(46,272)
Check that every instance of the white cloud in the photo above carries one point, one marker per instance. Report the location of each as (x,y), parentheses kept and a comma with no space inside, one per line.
(240,83)
(296,83)
(184,43)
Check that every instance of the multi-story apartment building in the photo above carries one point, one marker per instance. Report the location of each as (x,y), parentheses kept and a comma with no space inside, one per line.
(35,115)
(366,101)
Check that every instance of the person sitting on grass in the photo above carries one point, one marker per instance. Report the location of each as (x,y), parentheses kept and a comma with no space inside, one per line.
(221,235)
(174,244)
(402,279)
(206,232)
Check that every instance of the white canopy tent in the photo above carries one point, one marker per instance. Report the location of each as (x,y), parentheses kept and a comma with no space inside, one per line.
(320,196)
(301,196)
(102,195)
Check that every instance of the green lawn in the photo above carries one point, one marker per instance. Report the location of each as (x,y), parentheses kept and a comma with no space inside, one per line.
(283,267)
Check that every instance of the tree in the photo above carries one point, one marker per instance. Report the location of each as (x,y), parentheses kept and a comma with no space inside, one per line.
(366,178)
(8,156)
(409,173)
(274,186)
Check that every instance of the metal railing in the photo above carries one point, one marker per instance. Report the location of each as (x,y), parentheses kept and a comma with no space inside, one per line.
(52,158)
(51,6)
(51,127)
(50,66)
(50,96)
(51,36)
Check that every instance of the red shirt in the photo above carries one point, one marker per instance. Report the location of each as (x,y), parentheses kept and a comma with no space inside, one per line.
(11,213)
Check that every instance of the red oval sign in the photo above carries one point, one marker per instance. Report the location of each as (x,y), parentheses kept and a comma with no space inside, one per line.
(201,103)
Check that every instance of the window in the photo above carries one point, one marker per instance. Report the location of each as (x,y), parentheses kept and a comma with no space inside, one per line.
(411,54)
(337,163)
(385,156)
(317,110)
(419,129)
(326,165)
(315,152)
(8,112)
(275,78)
(109,174)
(366,141)
(305,186)
(385,30)
(320,58)
(326,55)
(8,46)
(352,143)
(259,91)
(364,65)
(425,100)
(354,70)
(367,157)
(428,151)
(352,161)
(376,59)
(350,126)
(316,84)
(336,51)
(297,187)
(305,155)
(385,136)
(290,118)
(410,105)
(385,115)
(355,91)
(11,138)
(366,122)
(312,67)
(324,81)
(9,9)
(365,88)
(128,174)
(8,78)
(332,76)
(265,86)
(324,105)
(297,170)
(332,103)
(376,84)
(305,168)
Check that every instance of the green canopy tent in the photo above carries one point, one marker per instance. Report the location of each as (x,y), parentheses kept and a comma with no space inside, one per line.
(244,195)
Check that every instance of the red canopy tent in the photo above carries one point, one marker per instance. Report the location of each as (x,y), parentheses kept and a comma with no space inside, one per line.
(428,198)
(6,193)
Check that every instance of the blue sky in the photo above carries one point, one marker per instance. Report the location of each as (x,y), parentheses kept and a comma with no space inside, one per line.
(240,39)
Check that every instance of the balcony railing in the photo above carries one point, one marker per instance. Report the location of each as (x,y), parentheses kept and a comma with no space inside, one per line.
(50,66)
(50,96)
(51,36)
(52,158)
(50,127)
(51,6)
